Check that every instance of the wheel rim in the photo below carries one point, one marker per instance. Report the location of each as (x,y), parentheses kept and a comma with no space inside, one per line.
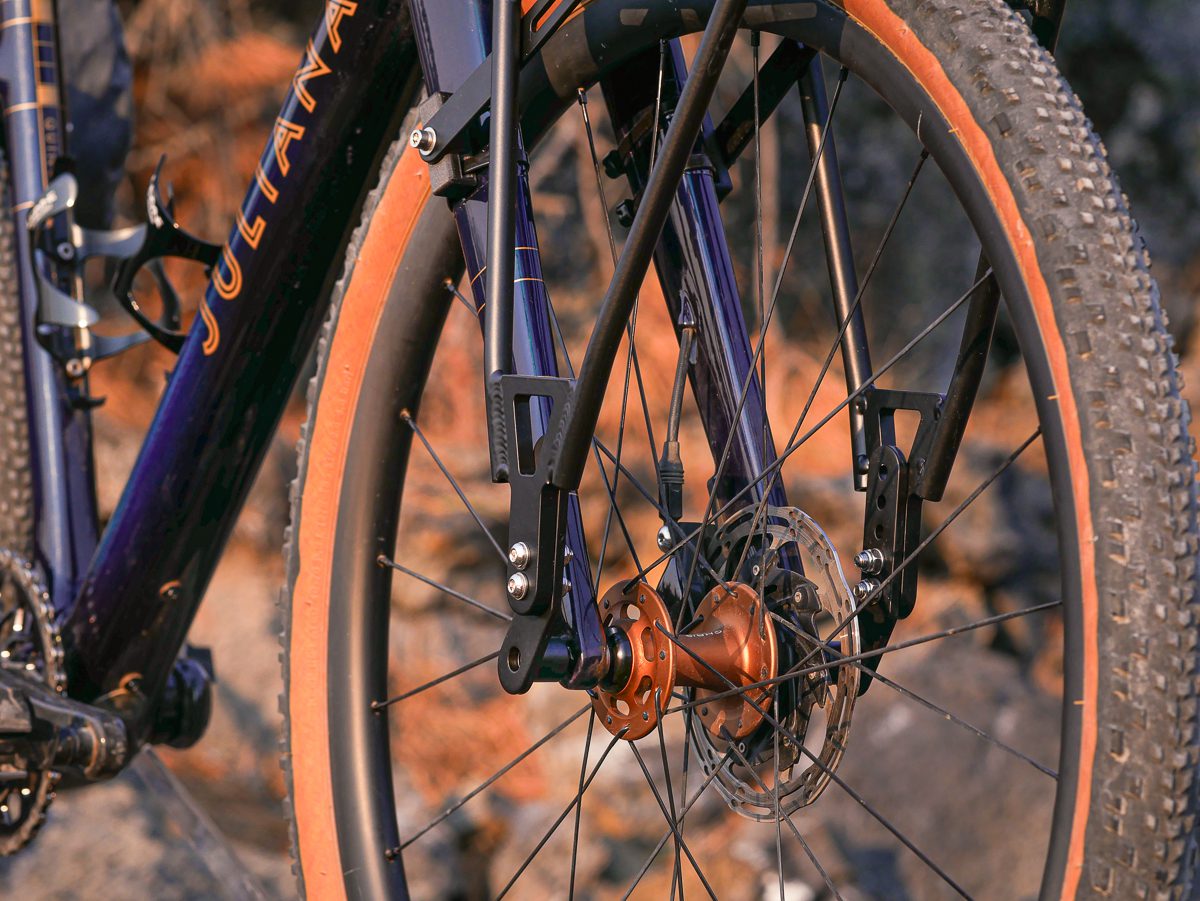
(927,135)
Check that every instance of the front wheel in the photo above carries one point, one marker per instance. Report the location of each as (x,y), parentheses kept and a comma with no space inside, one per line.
(1060,754)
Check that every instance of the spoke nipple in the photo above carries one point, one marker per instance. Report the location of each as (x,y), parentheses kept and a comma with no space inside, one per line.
(518,555)
(423,139)
(870,561)
(518,586)
(864,588)
(664,539)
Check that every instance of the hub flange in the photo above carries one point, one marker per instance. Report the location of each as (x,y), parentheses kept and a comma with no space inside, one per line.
(732,642)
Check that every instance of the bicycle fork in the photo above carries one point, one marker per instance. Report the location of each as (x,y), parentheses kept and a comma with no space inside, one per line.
(542,424)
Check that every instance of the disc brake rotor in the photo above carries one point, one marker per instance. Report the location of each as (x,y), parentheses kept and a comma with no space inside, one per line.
(815,709)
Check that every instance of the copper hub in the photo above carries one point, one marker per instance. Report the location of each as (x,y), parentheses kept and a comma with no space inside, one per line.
(731,643)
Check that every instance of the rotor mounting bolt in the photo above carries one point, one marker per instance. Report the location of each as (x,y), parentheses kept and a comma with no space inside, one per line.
(518,555)
(870,561)
(518,586)
(423,139)
(664,539)
(864,588)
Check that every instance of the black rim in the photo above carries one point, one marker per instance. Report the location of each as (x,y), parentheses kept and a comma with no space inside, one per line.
(358,655)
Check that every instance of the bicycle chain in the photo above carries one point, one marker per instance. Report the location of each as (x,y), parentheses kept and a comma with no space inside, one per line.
(30,643)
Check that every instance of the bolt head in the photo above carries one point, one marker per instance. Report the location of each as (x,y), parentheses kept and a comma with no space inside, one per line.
(870,561)
(518,555)
(664,539)
(566,586)
(568,555)
(864,588)
(518,586)
(423,139)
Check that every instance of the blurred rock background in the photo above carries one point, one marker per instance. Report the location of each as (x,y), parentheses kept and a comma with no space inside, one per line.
(210,75)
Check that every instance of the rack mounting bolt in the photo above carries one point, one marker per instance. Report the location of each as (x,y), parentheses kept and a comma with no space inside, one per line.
(664,539)
(518,586)
(864,588)
(518,555)
(423,139)
(870,561)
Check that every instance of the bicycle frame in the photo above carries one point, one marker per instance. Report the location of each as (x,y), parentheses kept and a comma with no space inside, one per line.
(126,600)
(126,607)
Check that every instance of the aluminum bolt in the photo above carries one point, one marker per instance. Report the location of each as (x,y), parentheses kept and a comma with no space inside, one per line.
(568,555)
(864,588)
(664,539)
(518,586)
(566,586)
(423,139)
(870,560)
(518,555)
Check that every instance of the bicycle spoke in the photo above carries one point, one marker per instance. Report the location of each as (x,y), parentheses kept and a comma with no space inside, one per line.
(453,289)
(662,65)
(613,507)
(467,667)
(671,823)
(920,699)
(929,539)
(845,324)
(793,674)
(797,444)
(662,750)
(777,777)
(780,816)
(825,768)
(384,560)
(562,816)
(587,747)
(662,511)
(709,515)
(408,418)
(683,813)
(483,786)
(631,358)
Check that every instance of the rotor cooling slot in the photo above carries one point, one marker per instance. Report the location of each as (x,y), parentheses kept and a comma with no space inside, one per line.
(806,610)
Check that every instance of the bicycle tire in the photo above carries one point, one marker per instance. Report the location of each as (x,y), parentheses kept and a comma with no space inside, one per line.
(1012,138)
